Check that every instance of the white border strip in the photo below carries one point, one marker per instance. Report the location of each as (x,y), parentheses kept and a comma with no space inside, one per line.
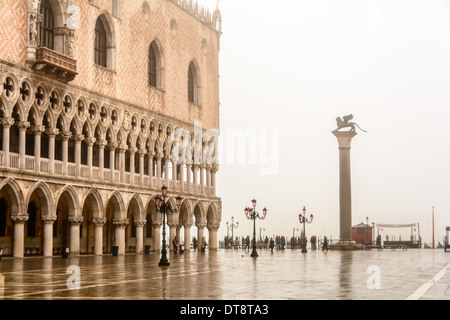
(427,285)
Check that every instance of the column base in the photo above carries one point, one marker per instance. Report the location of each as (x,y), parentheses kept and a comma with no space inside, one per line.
(346,245)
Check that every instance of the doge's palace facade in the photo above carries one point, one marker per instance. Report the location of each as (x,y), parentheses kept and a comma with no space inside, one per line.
(102,102)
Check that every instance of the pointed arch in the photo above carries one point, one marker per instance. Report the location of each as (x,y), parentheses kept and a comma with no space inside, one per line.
(116,203)
(96,203)
(11,188)
(156,65)
(137,205)
(105,41)
(70,196)
(194,83)
(45,198)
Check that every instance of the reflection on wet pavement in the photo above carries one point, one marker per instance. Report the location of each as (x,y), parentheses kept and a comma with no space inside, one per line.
(231,275)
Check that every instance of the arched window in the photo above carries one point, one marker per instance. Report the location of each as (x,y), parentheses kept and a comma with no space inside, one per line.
(152,66)
(100,44)
(193,84)
(47,25)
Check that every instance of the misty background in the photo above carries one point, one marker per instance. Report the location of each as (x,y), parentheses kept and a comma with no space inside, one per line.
(288,68)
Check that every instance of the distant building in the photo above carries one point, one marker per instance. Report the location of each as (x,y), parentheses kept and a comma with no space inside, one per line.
(95,96)
(362,234)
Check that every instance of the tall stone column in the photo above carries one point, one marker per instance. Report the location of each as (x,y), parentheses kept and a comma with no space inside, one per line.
(345,193)
(90,156)
(187,236)
(48,222)
(140,235)
(78,138)
(75,235)
(120,234)
(52,132)
(212,241)
(65,146)
(172,234)
(101,158)
(19,235)
(37,130)
(23,126)
(156,236)
(7,124)
(98,236)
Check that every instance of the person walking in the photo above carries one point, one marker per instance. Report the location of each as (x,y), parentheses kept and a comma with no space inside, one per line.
(271,245)
(175,244)
(195,243)
(325,244)
(203,244)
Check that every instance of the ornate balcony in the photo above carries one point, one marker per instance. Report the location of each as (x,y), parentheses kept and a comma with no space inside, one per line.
(54,63)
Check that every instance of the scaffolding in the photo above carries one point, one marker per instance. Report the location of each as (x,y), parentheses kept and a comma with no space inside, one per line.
(412,243)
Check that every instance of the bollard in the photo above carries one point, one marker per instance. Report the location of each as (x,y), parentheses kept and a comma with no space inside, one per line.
(147,249)
(115,250)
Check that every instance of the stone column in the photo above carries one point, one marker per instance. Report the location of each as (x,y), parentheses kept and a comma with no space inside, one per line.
(23,126)
(75,235)
(214,169)
(188,173)
(159,168)
(120,234)
(37,131)
(65,146)
(48,222)
(172,234)
(90,144)
(19,236)
(202,180)
(122,150)
(98,236)
(187,236)
(200,233)
(78,138)
(52,132)
(112,158)
(142,153)
(345,192)
(156,236)
(140,235)
(7,123)
(151,154)
(166,169)
(132,151)
(101,158)
(212,242)
(208,179)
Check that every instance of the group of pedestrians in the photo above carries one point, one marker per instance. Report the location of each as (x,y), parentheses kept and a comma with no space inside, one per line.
(276,242)
(203,244)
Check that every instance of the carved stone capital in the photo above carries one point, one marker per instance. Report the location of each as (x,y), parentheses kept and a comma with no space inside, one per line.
(49,219)
(75,220)
(52,131)
(38,129)
(7,122)
(19,218)
(99,221)
(90,141)
(23,125)
(121,222)
(140,223)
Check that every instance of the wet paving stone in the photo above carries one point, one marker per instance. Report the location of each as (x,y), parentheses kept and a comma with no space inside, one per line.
(232,275)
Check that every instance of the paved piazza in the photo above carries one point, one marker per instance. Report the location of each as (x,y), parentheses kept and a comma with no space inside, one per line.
(233,275)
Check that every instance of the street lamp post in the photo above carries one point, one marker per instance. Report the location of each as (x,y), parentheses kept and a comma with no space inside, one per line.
(232,227)
(251,214)
(161,207)
(303,220)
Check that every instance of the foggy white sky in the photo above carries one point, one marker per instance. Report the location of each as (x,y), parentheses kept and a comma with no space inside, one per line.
(290,67)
